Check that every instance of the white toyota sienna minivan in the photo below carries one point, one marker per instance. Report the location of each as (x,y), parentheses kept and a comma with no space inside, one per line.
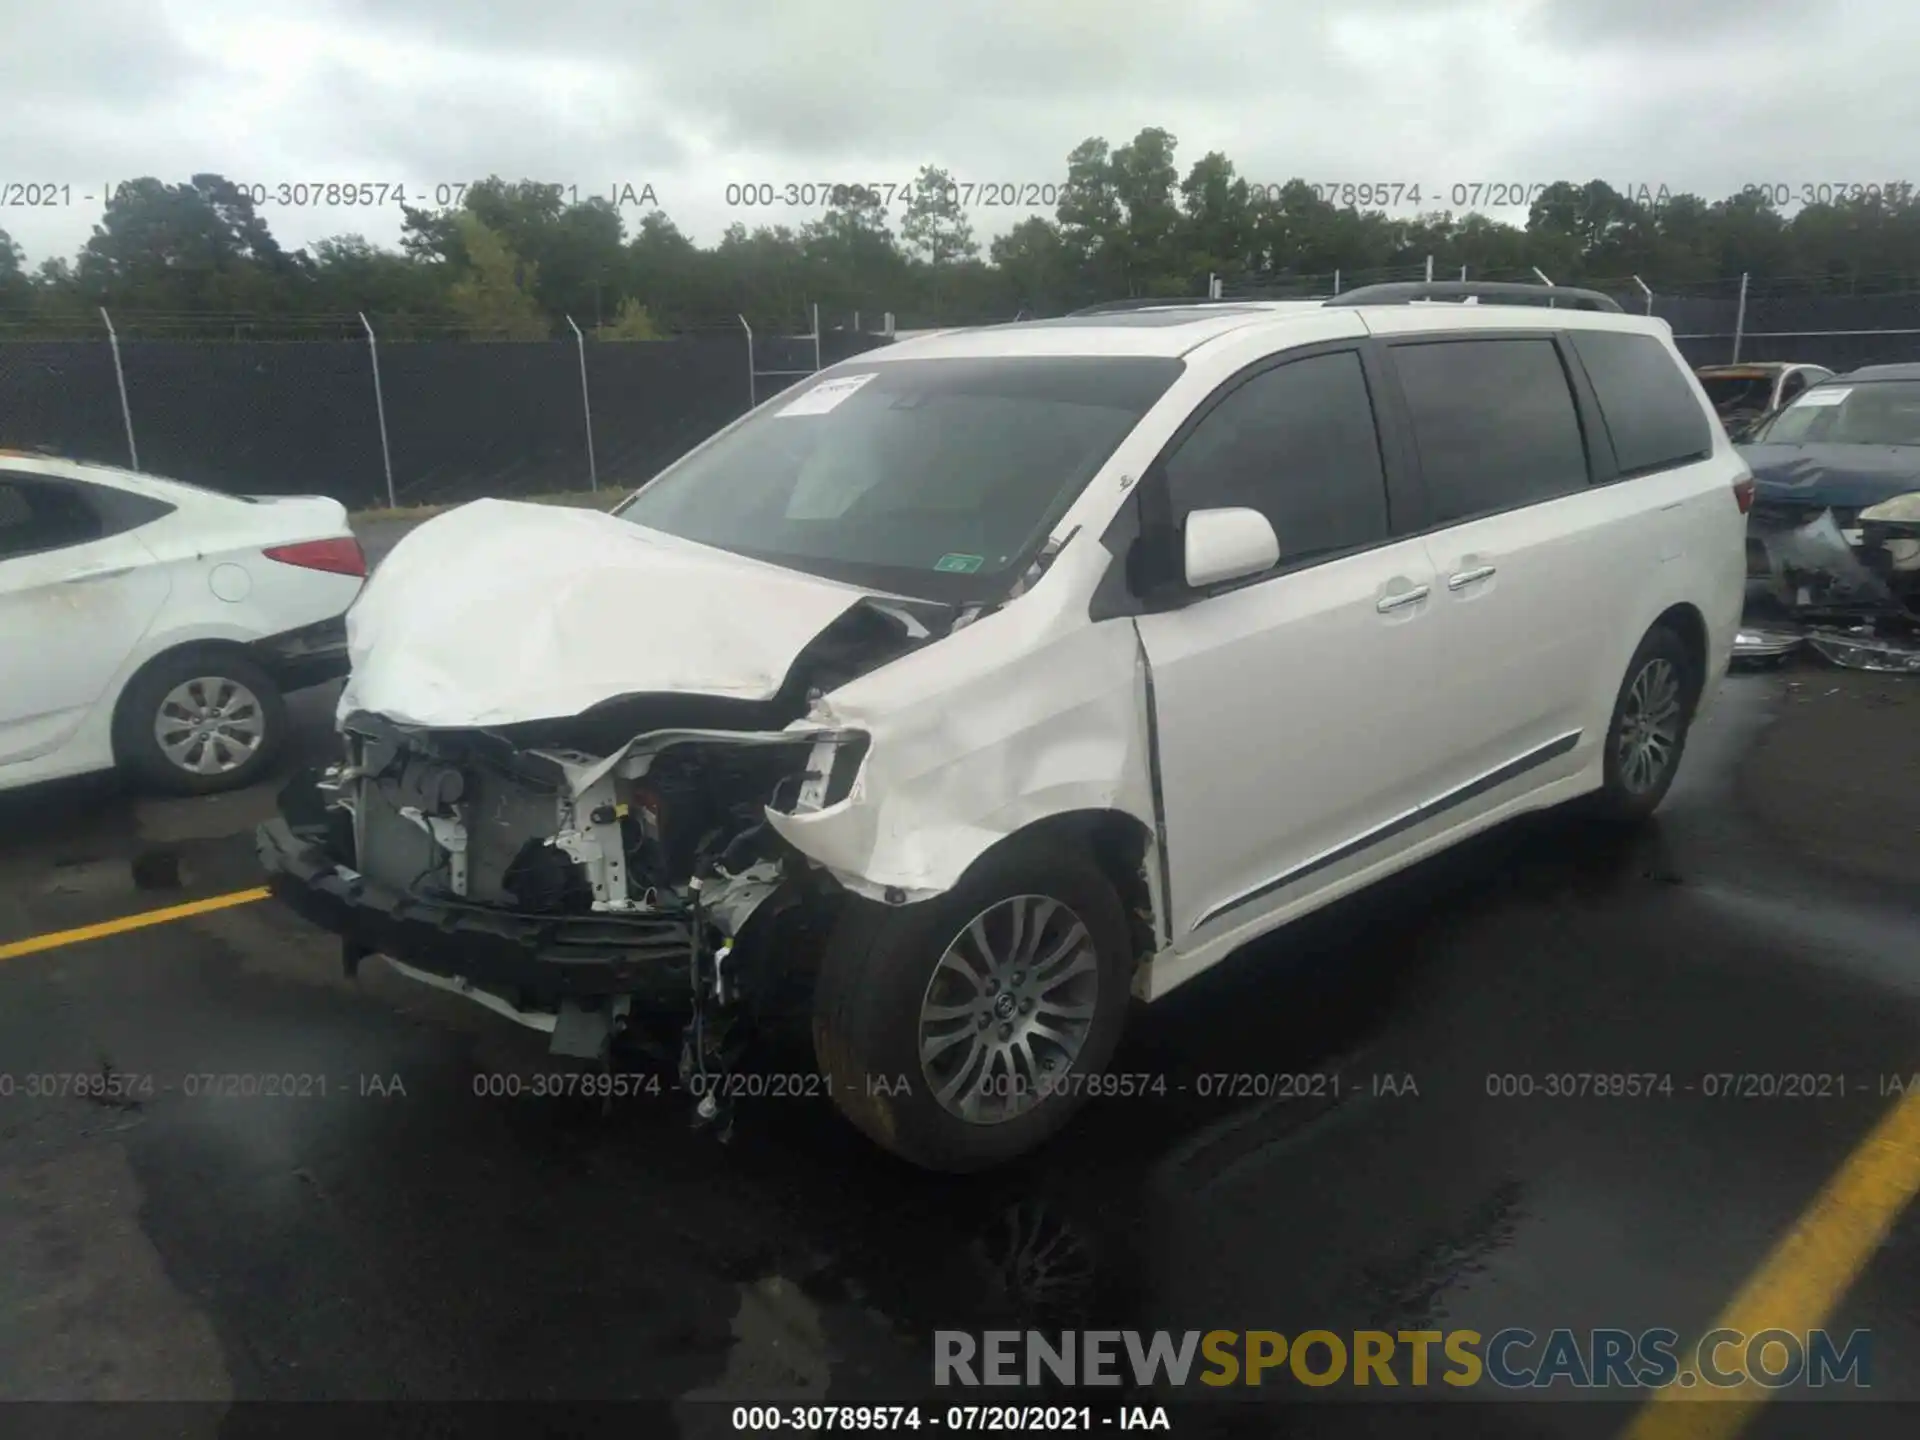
(986,683)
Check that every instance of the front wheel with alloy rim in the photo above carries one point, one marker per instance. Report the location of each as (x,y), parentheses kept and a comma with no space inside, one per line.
(1648,731)
(963,1030)
(199,721)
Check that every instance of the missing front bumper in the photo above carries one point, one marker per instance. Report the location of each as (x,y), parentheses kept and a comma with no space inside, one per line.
(533,963)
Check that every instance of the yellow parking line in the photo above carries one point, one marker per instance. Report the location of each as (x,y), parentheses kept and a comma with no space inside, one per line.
(16,948)
(1803,1280)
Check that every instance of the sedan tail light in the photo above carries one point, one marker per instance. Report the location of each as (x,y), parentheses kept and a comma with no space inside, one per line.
(1743,493)
(342,556)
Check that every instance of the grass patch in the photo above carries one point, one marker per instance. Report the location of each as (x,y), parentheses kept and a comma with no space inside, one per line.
(582,499)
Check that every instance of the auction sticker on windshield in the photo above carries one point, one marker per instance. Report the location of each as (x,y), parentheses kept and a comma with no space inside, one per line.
(1823,397)
(826,395)
(959,564)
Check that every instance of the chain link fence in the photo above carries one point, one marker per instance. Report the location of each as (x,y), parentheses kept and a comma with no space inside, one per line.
(1841,332)
(374,423)
(1719,322)
(421,421)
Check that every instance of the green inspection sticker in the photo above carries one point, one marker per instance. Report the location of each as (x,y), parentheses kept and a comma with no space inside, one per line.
(960,564)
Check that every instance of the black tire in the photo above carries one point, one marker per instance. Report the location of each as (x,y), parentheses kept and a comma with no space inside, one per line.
(1628,792)
(878,965)
(138,749)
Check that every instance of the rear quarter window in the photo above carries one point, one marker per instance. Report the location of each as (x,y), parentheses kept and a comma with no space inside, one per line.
(1650,411)
(1494,424)
(39,513)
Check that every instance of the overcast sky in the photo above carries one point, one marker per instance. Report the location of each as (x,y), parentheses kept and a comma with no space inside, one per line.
(1703,95)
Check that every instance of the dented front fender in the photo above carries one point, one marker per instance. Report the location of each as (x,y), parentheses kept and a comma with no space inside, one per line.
(1029,712)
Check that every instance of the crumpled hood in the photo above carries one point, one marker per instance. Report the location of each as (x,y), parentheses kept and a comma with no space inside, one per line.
(1850,477)
(501,612)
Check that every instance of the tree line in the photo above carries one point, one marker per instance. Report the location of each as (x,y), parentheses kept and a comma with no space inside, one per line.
(518,259)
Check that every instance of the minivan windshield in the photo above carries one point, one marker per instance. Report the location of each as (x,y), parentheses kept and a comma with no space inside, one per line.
(931,478)
(1874,412)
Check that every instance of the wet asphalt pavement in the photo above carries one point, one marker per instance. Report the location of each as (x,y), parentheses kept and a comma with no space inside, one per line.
(400,1237)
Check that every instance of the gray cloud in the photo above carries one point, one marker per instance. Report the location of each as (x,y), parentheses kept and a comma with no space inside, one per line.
(427,129)
(1663,24)
(117,54)
(690,97)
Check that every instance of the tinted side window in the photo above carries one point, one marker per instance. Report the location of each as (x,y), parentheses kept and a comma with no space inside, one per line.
(37,515)
(1298,444)
(1649,409)
(1494,422)
(121,510)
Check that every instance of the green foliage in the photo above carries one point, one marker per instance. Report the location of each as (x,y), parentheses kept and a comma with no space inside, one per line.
(519,259)
(936,227)
(16,290)
(632,323)
(493,297)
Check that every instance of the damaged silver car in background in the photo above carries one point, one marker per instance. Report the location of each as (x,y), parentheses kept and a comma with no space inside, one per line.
(1834,533)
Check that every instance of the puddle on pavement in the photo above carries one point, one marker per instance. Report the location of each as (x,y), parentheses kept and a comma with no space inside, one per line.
(157,870)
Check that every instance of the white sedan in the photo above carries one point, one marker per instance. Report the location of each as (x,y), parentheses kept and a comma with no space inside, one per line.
(154,625)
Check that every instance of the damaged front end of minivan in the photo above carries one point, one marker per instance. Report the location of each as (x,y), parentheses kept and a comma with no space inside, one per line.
(637,837)
(580,882)
(580,872)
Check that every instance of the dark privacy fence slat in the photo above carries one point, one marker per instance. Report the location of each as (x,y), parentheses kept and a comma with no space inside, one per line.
(61,394)
(1822,313)
(1837,352)
(269,419)
(1812,329)
(465,419)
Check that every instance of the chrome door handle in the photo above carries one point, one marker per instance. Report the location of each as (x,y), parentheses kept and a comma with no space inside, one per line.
(1386,605)
(1467,577)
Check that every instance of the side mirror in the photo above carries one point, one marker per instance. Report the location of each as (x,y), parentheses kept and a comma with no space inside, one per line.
(1227,544)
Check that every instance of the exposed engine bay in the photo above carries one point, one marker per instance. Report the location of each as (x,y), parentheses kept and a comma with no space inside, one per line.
(627,848)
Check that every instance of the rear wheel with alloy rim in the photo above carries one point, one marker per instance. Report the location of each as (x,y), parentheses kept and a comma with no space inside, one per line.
(198,721)
(210,725)
(963,1030)
(1649,728)
(1648,739)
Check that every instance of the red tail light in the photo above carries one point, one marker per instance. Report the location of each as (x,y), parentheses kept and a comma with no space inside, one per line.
(338,557)
(1743,493)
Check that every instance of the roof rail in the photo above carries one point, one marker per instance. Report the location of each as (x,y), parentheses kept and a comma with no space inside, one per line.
(1405,292)
(1115,307)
